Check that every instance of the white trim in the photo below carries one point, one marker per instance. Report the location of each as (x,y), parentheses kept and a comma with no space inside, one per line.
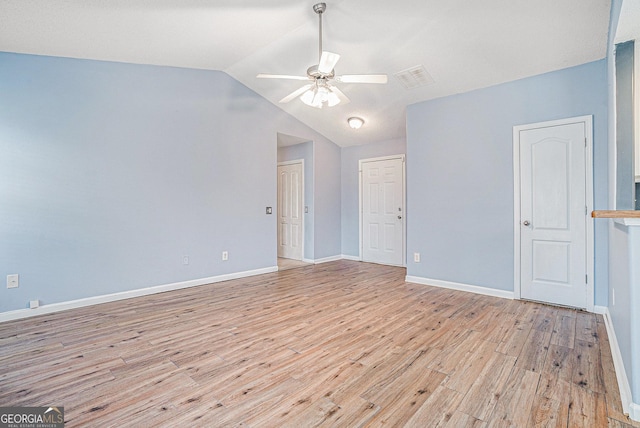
(628,406)
(327,259)
(600,310)
(588,123)
(352,258)
(461,287)
(636,108)
(308,260)
(627,221)
(285,163)
(106,298)
(634,412)
(404,202)
(290,162)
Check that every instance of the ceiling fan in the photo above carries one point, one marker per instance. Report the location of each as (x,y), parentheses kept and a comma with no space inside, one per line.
(321,92)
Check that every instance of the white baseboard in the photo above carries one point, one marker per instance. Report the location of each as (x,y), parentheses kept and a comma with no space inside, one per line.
(89,301)
(461,287)
(352,258)
(634,412)
(327,259)
(600,310)
(628,406)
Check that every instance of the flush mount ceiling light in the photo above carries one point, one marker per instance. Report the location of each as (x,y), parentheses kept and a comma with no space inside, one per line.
(320,92)
(355,122)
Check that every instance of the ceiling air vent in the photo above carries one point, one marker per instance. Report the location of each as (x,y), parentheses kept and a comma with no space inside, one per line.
(414,77)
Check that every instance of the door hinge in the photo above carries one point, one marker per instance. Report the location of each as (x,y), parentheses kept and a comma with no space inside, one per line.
(585,210)
(586,278)
(585,141)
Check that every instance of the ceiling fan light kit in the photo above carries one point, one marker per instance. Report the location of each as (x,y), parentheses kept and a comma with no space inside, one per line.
(321,92)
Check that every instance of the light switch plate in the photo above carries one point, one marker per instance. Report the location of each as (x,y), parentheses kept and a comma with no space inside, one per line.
(13,281)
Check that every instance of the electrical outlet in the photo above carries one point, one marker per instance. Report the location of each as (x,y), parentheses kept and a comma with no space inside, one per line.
(225,255)
(269,210)
(13,281)
(416,257)
(185,260)
(34,304)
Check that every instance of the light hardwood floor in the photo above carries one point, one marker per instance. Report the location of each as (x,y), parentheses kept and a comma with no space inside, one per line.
(342,344)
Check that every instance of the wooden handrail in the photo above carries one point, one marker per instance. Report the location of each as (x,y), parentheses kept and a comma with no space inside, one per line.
(615,214)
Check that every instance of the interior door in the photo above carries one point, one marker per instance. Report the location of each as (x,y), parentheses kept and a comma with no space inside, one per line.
(553,223)
(382,227)
(290,211)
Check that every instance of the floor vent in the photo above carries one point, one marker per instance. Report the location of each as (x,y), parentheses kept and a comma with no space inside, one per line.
(414,77)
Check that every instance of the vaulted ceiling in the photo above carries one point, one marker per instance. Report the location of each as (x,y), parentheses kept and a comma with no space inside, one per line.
(462,44)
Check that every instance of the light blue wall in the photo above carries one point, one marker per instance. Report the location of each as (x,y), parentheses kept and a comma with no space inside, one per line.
(350,182)
(621,312)
(110,173)
(460,173)
(327,205)
(295,152)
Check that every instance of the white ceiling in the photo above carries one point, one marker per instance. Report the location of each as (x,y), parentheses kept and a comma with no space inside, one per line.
(463,44)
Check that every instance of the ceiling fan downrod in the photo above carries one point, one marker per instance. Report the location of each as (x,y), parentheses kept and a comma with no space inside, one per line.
(319,8)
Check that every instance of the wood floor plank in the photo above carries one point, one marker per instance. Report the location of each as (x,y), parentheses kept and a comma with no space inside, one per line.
(484,393)
(469,366)
(460,419)
(557,373)
(588,370)
(534,351)
(548,412)
(514,405)
(338,344)
(400,398)
(587,409)
(564,332)
(586,327)
(437,410)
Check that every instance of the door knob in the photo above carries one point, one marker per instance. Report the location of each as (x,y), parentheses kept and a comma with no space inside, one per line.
(526,223)
(399,217)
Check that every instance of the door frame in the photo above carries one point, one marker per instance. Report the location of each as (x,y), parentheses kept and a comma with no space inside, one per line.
(404,202)
(589,224)
(285,163)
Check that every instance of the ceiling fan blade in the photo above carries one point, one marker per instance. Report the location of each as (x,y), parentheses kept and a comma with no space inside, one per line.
(341,96)
(296,93)
(280,76)
(362,78)
(328,61)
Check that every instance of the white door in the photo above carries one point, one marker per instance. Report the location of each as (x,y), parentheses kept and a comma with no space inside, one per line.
(382,210)
(290,210)
(553,214)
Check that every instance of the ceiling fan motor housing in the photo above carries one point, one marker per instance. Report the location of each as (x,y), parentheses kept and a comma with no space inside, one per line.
(314,73)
